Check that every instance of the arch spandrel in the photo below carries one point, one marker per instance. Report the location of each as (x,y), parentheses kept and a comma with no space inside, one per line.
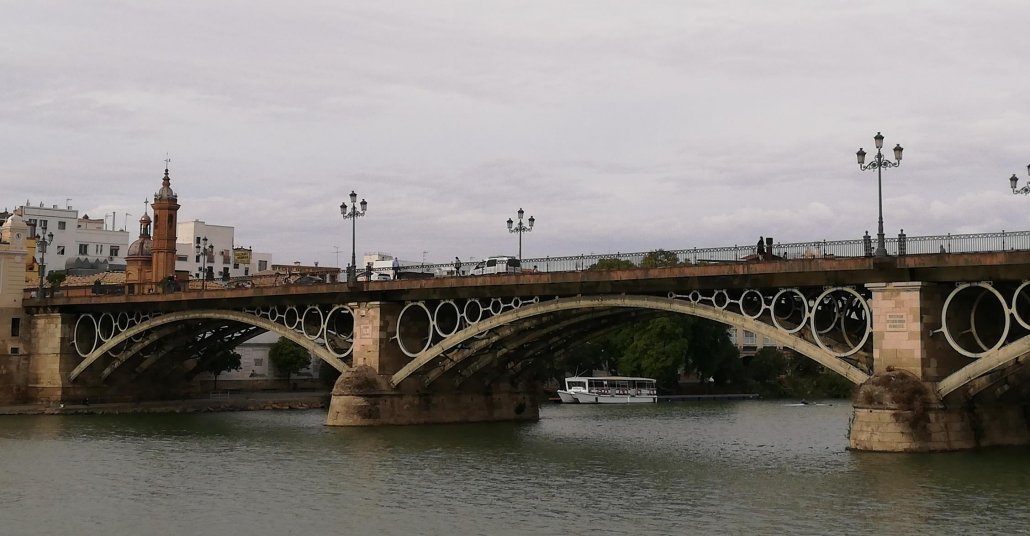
(787,340)
(209,314)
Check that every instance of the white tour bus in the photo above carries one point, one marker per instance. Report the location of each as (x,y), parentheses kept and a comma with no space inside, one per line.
(497,265)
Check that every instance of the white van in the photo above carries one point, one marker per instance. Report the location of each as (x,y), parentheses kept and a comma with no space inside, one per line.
(497,265)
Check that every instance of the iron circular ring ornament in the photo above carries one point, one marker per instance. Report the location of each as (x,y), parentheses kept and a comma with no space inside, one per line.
(804,315)
(720,299)
(457,314)
(1015,310)
(947,332)
(826,297)
(761,300)
(499,306)
(868,321)
(325,329)
(972,320)
(429,335)
(465,311)
(92,328)
(320,323)
(516,302)
(106,326)
(694,297)
(122,321)
(291,318)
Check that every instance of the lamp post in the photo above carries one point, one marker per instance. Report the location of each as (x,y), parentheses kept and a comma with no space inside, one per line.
(203,250)
(41,243)
(353,214)
(1013,181)
(878,165)
(520,228)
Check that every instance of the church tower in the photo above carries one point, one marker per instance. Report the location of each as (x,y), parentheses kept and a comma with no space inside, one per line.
(166,208)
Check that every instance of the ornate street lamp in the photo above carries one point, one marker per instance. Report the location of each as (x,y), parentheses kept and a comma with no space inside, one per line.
(878,165)
(41,244)
(520,228)
(353,214)
(1013,181)
(203,250)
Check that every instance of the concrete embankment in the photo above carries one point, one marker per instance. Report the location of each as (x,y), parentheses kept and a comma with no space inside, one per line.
(217,402)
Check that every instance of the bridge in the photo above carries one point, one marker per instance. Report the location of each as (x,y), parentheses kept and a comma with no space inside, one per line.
(936,335)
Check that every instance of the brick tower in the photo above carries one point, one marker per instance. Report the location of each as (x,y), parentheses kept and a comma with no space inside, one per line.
(166,208)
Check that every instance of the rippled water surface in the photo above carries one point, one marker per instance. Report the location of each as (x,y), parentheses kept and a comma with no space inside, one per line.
(752,467)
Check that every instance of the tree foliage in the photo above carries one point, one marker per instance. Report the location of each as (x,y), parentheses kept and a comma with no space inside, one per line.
(222,361)
(659,258)
(288,357)
(612,264)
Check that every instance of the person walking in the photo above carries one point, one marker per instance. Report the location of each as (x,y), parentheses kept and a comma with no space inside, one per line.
(760,249)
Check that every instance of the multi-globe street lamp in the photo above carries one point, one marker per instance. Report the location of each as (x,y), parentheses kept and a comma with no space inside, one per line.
(878,165)
(204,249)
(353,214)
(520,228)
(42,241)
(1013,181)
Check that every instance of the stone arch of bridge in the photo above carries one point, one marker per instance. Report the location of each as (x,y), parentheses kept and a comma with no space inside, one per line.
(992,361)
(787,340)
(209,314)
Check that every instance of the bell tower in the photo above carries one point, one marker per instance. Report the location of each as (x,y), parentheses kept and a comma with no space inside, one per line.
(166,208)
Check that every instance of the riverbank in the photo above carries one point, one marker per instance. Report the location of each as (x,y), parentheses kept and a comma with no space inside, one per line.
(221,401)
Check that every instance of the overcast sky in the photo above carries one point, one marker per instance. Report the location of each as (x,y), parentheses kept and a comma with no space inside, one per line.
(621,126)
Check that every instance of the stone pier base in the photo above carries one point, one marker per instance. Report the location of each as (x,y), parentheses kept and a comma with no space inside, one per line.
(938,429)
(361,398)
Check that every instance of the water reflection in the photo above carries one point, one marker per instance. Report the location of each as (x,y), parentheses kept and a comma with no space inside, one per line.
(715,468)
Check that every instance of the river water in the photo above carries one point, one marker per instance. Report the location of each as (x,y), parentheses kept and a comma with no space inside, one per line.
(747,467)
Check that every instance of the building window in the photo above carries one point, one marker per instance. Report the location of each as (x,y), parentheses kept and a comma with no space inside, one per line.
(262,266)
(259,361)
(246,271)
(15,350)
(766,341)
(750,339)
(60,250)
(198,258)
(100,249)
(115,250)
(83,249)
(182,258)
(60,225)
(15,327)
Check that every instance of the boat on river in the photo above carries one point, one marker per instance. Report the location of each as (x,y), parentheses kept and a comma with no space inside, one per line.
(609,390)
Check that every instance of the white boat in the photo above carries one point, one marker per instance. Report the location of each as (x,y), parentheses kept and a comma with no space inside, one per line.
(608,390)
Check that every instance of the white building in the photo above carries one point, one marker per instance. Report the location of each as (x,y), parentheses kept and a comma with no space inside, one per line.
(224,260)
(80,246)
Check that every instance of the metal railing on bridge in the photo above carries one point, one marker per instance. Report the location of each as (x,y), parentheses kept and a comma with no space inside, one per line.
(862,247)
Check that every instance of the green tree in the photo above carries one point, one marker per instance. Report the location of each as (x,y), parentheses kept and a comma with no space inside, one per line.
(288,357)
(767,365)
(55,279)
(657,350)
(223,361)
(659,258)
(711,354)
(612,264)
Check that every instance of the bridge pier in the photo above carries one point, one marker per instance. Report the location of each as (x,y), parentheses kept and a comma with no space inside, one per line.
(897,409)
(53,358)
(363,396)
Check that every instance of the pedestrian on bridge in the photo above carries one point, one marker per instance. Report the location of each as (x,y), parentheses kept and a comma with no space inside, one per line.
(760,249)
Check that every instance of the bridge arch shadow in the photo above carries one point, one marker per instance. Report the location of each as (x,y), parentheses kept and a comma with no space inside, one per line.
(426,359)
(180,317)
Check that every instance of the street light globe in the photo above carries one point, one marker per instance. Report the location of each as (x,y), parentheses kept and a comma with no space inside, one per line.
(897,152)
(878,138)
(1013,181)
(861,156)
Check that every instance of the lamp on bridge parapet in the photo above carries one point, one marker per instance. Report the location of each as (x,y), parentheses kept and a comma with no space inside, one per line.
(353,214)
(41,244)
(1013,181)
(204,249)
(878,165)
(520,228)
